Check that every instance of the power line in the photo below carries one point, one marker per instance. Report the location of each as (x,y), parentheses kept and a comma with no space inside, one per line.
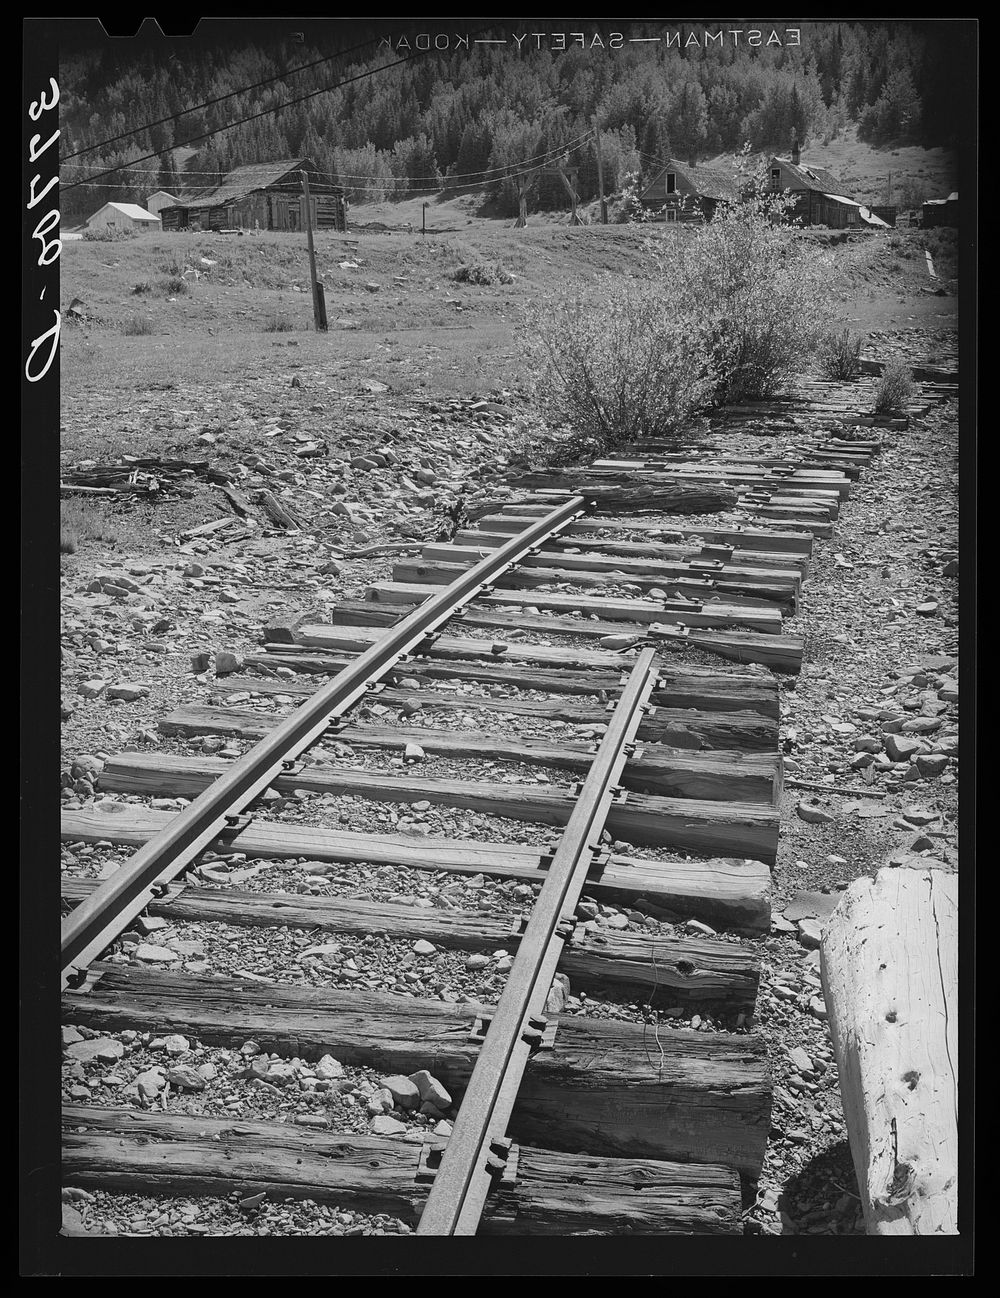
(264,113)
(207,103)
(496,172)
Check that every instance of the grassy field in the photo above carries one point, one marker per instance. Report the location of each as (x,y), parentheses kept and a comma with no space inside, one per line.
(176,323)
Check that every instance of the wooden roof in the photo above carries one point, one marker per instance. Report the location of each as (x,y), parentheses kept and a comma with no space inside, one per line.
(706,181)
(242,181)
(814,178)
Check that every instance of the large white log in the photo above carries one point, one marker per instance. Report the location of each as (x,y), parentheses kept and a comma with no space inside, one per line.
(890,977)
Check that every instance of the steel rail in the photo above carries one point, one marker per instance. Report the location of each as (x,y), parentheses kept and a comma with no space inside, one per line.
(98,921)
(477,1147)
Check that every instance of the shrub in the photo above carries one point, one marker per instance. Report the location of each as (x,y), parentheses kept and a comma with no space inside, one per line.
(627,208)
(628,370)
(137,325)
(173,287)
(109,234)
(721,312)
(755,294)
(841,358)
(483,274)
(278,324)
(143,287)
(894,388)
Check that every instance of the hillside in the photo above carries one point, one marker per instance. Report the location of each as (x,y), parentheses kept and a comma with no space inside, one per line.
(384,126)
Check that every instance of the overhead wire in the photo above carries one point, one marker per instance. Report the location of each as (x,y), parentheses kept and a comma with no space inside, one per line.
(277,108)
(218,99)
(495,172)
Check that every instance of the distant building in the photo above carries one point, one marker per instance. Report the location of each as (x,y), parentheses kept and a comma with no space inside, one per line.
(819,196)
(122,216)
(681,192)
(264,196)
(940,211)
(158,201)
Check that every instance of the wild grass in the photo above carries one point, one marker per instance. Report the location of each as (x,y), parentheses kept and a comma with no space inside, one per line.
(841,356)
(894,389)
(482,273)
(277,324)
(80,520)
(137,326)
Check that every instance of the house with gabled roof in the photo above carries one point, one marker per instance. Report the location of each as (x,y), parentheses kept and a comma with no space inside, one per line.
(682,192)
(122,216)
(261,196)
(819,196)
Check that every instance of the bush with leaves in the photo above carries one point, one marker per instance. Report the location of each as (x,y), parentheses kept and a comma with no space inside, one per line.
(482,273)
(616,364)
(752,292)
(714,314)
(894,388)
(841,358)
(109,234)
(627,208)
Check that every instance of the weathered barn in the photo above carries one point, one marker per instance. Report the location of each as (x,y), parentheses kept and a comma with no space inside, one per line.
(157,202)
(681,192)
(940,211)
(262,196)
(819,196)
(122,216)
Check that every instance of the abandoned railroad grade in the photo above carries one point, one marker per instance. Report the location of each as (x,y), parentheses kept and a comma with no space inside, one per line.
(521,798)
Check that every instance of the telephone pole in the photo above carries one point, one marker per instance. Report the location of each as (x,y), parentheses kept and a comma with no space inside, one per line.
(600,174)
(318,296)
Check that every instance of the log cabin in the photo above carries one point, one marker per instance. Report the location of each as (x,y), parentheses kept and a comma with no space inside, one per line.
(261,196)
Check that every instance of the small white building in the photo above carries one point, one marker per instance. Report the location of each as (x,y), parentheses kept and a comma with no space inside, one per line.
(158,201)
(124,216)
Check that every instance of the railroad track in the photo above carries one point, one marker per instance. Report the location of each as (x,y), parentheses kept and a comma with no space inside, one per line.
(633,612)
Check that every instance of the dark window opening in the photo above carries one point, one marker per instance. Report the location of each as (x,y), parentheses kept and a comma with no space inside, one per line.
(671,182)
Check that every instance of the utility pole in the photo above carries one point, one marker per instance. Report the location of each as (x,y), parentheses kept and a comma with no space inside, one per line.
(318,296)
(600,175)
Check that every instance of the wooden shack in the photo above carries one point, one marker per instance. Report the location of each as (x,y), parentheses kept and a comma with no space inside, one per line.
(681,192)
(122,216)
(262,196)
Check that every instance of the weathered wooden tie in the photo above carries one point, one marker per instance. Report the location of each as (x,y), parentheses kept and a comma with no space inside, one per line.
(669,972)
(607,1087)
(689,824)
(710,612)
(671,772)
(779,652)
(546,1193)
(676,727)
(729,893)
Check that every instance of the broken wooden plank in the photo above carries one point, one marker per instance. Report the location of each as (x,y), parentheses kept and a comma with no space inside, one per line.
(726,893)
(553,1193)
(277,512)
(670,972)
(688,824)
(604,1086)
(890,979)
